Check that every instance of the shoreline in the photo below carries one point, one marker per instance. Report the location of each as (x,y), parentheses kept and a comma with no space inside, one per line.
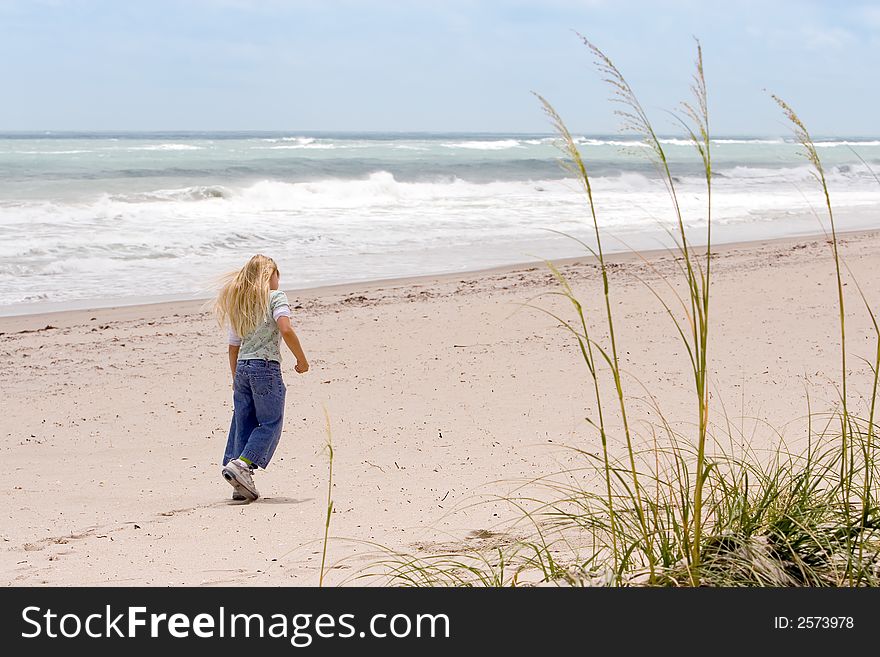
(141,308)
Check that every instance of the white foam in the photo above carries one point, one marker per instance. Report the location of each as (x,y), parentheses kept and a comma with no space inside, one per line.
(587,141)
(379,189)
(498,145)
(833,144)
(626,181)
(166,147)
(194,193)
(285,143)
(299,140)
(672,141)
(749,141)
(768,175)
(344,229)
(308,145)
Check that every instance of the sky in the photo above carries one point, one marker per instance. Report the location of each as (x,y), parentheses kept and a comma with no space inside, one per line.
(432,66)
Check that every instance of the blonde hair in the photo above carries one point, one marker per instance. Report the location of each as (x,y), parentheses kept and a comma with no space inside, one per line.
(243,300)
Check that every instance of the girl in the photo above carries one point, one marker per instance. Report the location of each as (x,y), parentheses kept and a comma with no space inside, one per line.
(257,315)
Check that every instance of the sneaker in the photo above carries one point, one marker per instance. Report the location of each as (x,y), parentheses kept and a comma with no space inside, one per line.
(238,497)
(240,477)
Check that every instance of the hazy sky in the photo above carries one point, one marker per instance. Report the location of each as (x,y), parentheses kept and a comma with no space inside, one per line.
(437,65)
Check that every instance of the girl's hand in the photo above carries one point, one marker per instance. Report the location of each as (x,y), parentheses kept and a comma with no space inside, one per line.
(292,342)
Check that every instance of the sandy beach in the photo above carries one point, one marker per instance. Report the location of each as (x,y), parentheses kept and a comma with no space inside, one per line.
(439,390)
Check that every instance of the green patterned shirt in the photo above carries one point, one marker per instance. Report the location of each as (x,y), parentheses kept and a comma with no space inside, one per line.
(263,343)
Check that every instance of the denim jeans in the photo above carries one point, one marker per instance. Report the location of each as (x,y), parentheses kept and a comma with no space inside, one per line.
(258,412)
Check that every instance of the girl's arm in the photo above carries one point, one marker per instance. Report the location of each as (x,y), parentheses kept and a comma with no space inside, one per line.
(233,357)
(292,342)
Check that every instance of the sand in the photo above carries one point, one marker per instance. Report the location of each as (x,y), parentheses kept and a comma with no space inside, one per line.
(440,391)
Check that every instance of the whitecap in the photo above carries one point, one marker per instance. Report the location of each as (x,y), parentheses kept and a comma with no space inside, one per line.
(166,147)
(498,145)
(833,144)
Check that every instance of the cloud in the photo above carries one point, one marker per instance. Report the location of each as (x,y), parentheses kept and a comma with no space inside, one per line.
(805,37)
(868,16)
(820,38)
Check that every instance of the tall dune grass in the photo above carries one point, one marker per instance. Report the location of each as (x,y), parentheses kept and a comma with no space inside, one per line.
(329,447)
(683,507)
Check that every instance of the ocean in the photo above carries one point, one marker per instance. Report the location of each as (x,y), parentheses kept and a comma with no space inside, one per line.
(105,219)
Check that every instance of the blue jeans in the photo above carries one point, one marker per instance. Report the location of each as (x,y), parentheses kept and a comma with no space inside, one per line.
(258,412)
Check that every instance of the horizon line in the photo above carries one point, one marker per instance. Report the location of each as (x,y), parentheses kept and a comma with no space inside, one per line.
(233,131)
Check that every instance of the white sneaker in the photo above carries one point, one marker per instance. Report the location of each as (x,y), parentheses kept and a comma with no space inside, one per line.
(240,477)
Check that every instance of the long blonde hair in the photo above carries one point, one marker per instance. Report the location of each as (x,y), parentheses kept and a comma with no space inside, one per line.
(243,300)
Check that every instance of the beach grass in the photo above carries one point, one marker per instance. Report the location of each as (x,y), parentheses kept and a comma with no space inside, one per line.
(329,447)
(692,506)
